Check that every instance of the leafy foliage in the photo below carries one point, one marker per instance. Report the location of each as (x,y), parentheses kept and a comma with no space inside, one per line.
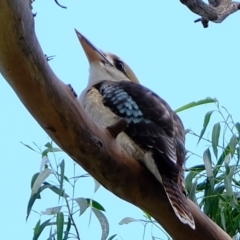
(61,222)
(213,185)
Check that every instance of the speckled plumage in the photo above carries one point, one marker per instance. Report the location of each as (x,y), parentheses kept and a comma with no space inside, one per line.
(157,129)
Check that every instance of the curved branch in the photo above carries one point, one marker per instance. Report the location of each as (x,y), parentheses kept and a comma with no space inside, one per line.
(216,11)
(53,105)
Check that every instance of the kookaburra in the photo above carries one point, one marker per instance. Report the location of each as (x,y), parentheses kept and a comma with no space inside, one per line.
(154,133)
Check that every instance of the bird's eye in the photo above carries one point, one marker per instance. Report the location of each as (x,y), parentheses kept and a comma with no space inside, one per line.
(119,65)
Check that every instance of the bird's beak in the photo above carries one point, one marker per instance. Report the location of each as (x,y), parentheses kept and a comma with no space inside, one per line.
(93,54)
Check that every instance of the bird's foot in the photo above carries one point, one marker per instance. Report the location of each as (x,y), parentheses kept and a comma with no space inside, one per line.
(117,127)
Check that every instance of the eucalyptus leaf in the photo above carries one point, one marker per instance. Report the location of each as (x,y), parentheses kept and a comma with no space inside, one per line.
(62,171)
(29,147)
(221,159)
(232,144)
(52,210)
(103,222)
(95,204)
(198,103)
(192,192)
(223,221)
(147,215)
(215,138)
(40,228)
(50,149)
(237,126)
(205,124)
(36,196)
(112,237)
(40,179)
(56,190)
(44,161)
(128,220)
(83,204)
(228,181)
(60,223)
(97,185)
(67,231)
(208,166)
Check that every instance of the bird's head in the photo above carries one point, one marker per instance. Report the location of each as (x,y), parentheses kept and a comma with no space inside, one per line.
(103,65)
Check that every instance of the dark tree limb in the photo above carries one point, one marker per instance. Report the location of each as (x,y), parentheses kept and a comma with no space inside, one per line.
(216,11)
(53,105)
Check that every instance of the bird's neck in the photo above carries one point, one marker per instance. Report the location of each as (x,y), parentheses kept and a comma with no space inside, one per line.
(99,73)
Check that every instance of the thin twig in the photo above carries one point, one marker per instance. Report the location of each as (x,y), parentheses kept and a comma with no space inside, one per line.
(72,220)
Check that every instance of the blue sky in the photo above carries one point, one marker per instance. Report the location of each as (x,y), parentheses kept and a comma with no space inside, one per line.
(170,54)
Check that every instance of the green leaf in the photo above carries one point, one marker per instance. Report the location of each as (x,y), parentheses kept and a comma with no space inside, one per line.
(192,192)
(50,148)
(112,237)
(205,124)
(193,172)
(33,199)
(238,155)
(215,138)
(83,204)
(188,180)
(48,145)
(97,185)
(67,231)
(228,181)
(237,126)
(36,195)
(208,166)
(222,198)
(38,231)
(44,163)
(195,104)
(223,221)
(233,143)
(56,190)
(207,198)
(37,227)
(34,177)
(52,210)
(60,222)
(62,170)
(40,179)
(128,220)
(197,168)
(95,204)
(103,222)
(29,147)
(221,160)
(201,186)
(212,201)
(147,215)
(227,161)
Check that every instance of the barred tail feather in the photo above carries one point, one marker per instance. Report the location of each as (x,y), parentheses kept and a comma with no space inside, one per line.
(178,201)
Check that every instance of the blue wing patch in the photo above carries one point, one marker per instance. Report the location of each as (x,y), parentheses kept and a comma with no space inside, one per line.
(122,104)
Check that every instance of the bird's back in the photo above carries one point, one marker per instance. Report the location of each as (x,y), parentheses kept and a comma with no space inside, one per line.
(158,131)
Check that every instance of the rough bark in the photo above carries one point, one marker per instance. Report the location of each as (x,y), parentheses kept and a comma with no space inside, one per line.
(216,11)
(53,105)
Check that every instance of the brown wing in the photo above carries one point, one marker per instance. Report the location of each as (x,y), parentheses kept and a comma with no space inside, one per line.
(155,127)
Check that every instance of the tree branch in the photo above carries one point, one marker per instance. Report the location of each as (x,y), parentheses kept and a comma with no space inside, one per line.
(216,11)
(53,105)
